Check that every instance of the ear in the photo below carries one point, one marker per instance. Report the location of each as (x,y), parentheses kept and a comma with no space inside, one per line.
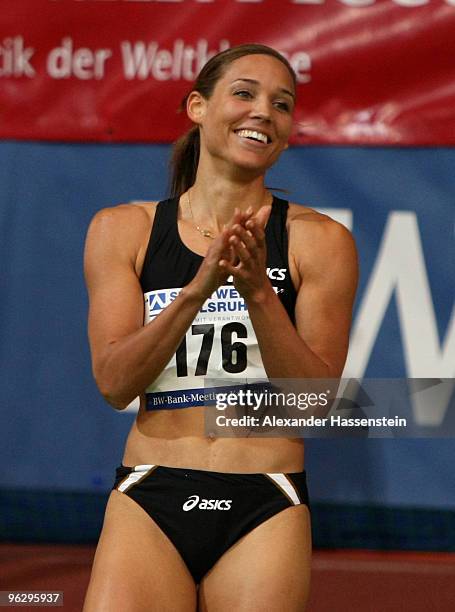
(195,107)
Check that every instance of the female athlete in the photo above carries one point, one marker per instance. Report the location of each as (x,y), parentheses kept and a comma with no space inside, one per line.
(235,282)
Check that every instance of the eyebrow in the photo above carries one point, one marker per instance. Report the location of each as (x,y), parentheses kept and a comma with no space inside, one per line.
(254,82)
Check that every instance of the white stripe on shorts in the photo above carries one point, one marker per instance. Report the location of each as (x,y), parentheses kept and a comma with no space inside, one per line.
(284,484)
(139,472)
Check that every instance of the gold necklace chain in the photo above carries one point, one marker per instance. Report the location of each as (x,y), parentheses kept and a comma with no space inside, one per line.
(204,232)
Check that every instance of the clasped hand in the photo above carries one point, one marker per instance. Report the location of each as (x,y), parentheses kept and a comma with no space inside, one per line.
(240,251)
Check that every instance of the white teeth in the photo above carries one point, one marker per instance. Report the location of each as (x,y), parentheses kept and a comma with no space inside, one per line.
(252,134)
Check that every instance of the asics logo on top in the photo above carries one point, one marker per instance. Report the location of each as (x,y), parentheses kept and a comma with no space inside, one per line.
(276,274)
(206,504)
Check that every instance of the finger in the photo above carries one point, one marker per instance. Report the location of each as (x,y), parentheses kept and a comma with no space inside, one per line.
(226,233)
(234,258)
(236,218)
(230,255)
(240,250)
(220,245)
(246,236)
(257,232)
(257,224)
(248,214)
(237,272)
(228,268)
(262,215)
(240,217)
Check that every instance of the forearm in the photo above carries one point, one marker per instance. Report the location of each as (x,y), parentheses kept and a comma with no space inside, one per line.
(284,353)
(133,362)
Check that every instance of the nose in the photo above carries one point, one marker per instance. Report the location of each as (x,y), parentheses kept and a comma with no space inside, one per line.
(261,108)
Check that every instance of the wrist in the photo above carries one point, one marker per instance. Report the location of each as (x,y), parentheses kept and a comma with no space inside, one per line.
(262,296)
(194,294)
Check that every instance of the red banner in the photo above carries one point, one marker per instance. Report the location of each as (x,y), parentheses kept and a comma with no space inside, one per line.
(376,72)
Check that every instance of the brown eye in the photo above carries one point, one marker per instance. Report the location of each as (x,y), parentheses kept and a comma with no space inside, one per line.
(284,106)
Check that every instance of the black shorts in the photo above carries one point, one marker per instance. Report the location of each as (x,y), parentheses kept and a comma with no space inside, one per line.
(204,513)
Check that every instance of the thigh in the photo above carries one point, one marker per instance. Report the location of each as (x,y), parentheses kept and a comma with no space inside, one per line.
(268,570)
(136,567)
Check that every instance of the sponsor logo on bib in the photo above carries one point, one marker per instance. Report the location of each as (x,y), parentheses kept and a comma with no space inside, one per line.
(206,504)
(157,301)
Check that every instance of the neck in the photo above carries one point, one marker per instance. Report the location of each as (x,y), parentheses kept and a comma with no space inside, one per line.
(213,200)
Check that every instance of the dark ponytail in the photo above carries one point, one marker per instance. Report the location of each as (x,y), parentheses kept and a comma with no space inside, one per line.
(184,161)
(185,154)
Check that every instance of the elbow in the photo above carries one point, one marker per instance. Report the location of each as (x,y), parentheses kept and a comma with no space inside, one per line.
(113,397)
(113,392)
(115,400)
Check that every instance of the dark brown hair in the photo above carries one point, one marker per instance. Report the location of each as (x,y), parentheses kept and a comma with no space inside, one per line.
(185,153)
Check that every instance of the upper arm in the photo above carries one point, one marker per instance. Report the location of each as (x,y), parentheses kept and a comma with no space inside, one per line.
(326,258)
(116,304)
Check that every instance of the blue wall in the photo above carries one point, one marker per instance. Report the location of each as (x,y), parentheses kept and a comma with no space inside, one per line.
(57,433)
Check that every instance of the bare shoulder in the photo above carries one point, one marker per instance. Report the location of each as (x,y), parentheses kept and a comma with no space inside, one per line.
(316,240)
(310,229)
(121,231)
(123,219)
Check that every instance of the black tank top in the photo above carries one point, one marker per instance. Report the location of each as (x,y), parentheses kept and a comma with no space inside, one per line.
(169,263)
(221,342)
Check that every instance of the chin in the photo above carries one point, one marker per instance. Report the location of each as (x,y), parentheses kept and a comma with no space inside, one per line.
(253,163)
(255,169)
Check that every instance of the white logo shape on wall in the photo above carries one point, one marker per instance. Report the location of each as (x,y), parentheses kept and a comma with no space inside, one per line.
(206,504)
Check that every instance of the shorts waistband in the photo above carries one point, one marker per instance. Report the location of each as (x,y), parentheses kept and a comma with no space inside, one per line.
(147,467)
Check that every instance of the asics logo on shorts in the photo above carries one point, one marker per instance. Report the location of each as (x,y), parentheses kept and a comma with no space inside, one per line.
(206,504)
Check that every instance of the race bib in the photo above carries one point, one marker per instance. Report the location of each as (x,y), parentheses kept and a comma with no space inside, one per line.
(220,344)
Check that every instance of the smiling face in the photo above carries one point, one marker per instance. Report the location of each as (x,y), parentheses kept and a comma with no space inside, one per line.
(248,118)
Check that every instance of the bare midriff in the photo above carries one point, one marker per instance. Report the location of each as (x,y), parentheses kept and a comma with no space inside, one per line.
(177,438)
